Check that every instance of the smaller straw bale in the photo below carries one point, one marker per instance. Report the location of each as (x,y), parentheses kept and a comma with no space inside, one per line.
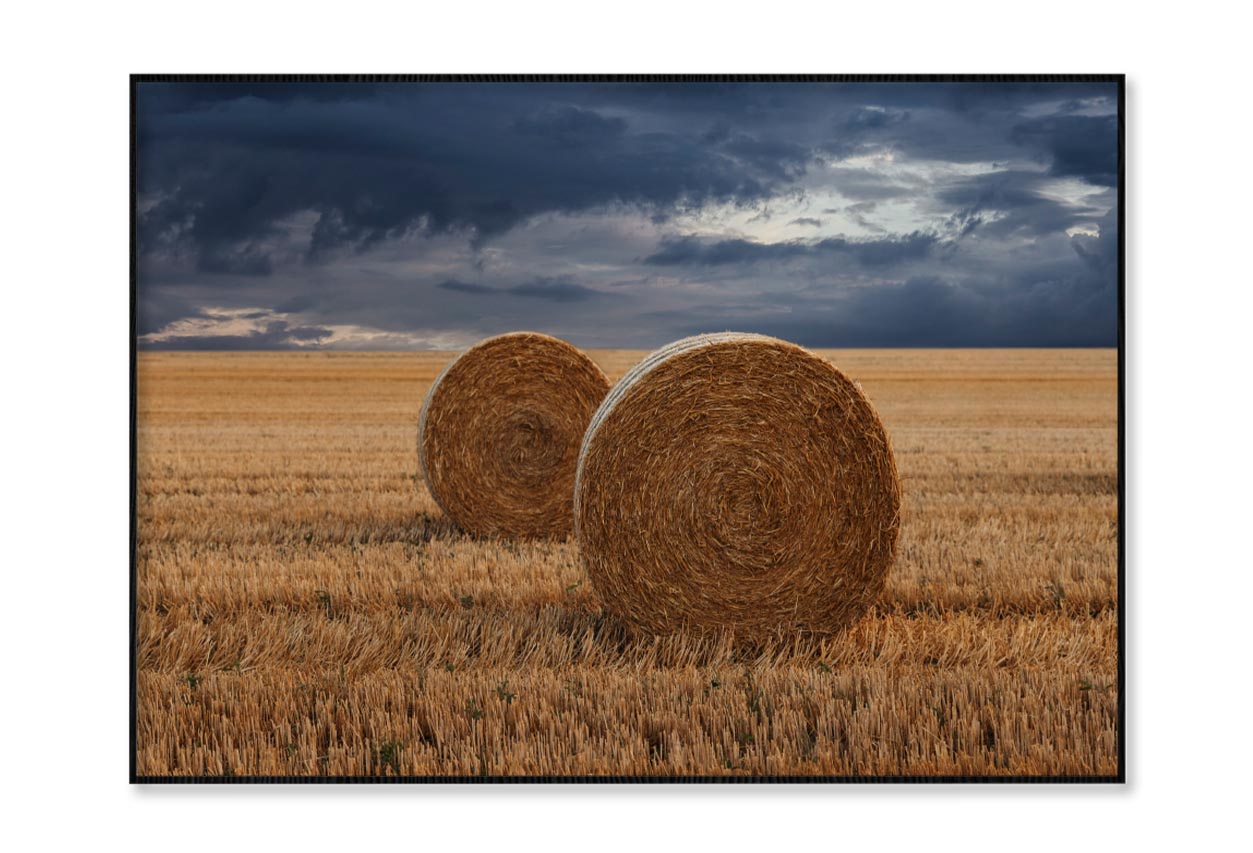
(499,433)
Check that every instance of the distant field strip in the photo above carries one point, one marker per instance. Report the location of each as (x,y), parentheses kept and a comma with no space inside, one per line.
(304,609)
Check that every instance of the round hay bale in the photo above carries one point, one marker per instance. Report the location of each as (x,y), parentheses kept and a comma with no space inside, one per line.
(736,482)
(498,438)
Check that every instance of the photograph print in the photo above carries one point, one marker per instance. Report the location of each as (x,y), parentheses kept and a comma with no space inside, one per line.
(627,429)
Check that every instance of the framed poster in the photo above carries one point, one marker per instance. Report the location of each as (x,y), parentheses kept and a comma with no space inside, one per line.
(874,535)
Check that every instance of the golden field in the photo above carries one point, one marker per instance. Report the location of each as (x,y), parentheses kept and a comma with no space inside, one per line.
(303,609)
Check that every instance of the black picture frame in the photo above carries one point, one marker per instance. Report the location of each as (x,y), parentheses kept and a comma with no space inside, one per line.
(1118,79)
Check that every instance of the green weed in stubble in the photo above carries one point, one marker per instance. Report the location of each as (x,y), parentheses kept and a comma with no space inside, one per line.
(502,693)
(324,600)
(387,755)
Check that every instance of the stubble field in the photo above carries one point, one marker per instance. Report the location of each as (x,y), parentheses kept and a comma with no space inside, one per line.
(303,608)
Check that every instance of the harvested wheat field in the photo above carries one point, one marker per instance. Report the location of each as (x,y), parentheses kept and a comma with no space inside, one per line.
(304,609)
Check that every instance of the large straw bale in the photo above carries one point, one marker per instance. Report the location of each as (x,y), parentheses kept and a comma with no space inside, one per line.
(736,482)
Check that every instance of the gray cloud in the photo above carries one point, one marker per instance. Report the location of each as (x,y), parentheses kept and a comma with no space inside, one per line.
(225,174)
(276,335)
(464,287)
(628,215)
(1019,202)
(869,252)
(550,289)
(553,290)
(1074,146)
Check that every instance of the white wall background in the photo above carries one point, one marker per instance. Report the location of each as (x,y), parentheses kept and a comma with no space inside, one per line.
(63,599)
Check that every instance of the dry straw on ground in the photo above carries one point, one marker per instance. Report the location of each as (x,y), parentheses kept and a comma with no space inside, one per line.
(499,433)
(737,482)
(301,611)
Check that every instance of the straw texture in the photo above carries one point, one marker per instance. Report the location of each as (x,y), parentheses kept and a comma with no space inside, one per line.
(498,438)
(736,482)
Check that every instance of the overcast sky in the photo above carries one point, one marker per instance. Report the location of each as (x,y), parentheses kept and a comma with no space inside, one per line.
(428,216)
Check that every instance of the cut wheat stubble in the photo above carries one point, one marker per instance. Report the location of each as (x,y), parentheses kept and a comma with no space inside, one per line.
(739,483)
(498,437)
(283,549)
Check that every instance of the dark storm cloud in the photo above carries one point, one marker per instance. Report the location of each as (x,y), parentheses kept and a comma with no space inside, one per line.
(918,312)
(172,97)
(963,124)
(772,103)
(690,250)
(244,260)
(775,158)
(550,289)
(570,127)
(864,185)
(874,118)
(1075,146)
(1010,202)
(1067,298)
(464,286)
(296,304)
(1100,253)
(553,290)
(275,335)
(224,174)
(938,312)
(156,308)
(227,164)
(831,214)
(864,129)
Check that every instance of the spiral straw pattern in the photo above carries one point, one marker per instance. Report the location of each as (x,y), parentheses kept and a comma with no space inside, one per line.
(498,437)
(736,482)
